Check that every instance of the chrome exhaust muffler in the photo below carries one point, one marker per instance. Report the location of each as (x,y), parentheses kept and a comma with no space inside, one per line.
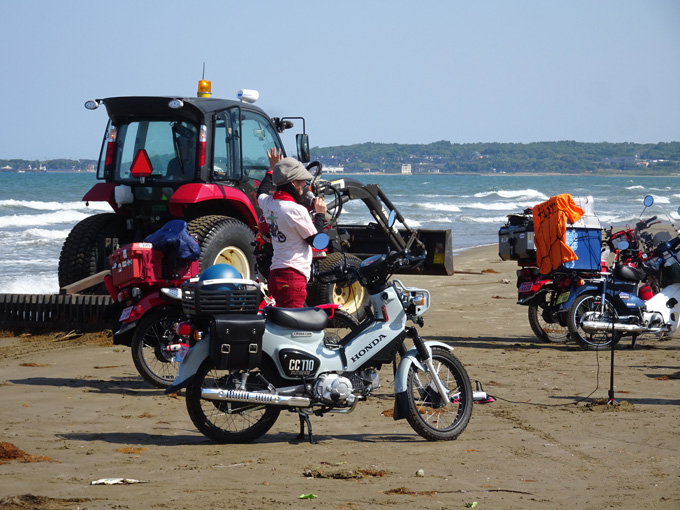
(253,397)
(596,326)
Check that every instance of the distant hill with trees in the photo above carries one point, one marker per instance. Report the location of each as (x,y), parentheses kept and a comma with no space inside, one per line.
(538,157)
(445,157)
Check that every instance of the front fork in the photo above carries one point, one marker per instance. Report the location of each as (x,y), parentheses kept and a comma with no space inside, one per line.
(420,356)
(425,358)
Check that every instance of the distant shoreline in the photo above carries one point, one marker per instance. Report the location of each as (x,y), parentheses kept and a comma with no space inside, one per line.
(506,174)
(604,173)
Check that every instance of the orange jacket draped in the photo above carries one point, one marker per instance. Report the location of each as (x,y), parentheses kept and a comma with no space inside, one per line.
(550,227)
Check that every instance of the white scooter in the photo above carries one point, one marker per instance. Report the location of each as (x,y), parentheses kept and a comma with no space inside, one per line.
(622,313)
(244,368)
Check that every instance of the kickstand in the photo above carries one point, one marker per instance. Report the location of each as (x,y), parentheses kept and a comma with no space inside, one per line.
(304,419)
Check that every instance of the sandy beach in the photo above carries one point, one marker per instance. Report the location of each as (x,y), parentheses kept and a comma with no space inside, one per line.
(74,411)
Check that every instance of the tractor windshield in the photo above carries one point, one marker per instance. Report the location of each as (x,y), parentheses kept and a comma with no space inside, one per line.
(170,145)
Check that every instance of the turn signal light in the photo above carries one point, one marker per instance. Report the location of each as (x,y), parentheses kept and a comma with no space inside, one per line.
(111,146)
(202,143)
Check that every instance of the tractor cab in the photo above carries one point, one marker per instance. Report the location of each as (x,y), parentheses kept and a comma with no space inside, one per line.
(153,146)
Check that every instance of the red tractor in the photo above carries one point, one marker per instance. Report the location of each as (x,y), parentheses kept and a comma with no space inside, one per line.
(198,159)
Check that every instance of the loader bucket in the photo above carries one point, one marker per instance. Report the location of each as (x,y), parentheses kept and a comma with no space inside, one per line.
(367,240)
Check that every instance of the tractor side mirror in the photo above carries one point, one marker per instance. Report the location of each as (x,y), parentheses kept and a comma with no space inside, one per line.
(302,142)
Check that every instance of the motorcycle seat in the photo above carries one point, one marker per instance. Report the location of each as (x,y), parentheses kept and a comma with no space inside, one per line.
(308,319)
(632,274)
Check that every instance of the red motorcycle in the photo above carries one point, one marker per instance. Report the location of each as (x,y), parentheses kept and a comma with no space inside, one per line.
(543,296)
(148,320)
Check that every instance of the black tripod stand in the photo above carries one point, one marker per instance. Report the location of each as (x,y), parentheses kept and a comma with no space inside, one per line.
(610,395)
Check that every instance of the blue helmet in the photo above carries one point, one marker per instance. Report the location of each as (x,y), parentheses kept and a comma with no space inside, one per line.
(221,272)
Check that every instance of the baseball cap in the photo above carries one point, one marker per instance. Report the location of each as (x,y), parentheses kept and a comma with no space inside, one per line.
(289,170)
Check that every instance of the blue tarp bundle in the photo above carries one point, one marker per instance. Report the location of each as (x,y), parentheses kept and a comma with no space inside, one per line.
(174,234)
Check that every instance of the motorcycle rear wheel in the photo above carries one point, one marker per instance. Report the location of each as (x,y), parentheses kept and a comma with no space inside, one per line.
(154,333)
(426,414)
(586,302)
(228,422)
(543,329)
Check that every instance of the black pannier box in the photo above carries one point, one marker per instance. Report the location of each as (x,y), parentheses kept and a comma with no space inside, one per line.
(516,239)
(236,341)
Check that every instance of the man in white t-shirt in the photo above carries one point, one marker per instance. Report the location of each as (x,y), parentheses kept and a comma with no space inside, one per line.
(291,228)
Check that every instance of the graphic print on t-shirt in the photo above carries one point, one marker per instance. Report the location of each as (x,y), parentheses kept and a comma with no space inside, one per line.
(274,229)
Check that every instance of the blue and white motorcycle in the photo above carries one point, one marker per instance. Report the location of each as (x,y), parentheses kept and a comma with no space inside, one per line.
(244,368)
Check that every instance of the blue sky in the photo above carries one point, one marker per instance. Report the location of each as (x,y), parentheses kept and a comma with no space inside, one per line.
(358,71)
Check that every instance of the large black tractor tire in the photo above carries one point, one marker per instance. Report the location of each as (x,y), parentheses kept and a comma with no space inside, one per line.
(87,248)
(353,298)
(224,240)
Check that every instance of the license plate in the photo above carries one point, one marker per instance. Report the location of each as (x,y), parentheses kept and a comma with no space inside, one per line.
(125,314)
(525,286)
(562,298)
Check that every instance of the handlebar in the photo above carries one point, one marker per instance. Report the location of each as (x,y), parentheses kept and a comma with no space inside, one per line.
(342,272)
(404,258)
(645,224)
(667,246)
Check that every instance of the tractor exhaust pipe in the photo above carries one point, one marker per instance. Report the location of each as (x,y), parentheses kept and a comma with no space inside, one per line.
(254,398)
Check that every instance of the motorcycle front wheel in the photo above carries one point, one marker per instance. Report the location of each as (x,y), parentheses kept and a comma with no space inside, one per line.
(588,302)
(154,333)
(228,422)
(427,414)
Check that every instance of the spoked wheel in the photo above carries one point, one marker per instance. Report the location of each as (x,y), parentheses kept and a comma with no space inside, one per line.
(228,422)
(427,413)
(589,302)
(545,325)
(154,333)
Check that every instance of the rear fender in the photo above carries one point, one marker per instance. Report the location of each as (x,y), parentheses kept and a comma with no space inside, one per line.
(196,193)
(102,192)
(588,287)
(401,377)
(532,297)
(189,365)
(147,303)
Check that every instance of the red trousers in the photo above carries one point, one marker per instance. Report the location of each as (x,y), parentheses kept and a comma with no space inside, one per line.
(288,287)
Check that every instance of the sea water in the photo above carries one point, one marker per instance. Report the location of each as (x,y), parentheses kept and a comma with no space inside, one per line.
(38,210)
